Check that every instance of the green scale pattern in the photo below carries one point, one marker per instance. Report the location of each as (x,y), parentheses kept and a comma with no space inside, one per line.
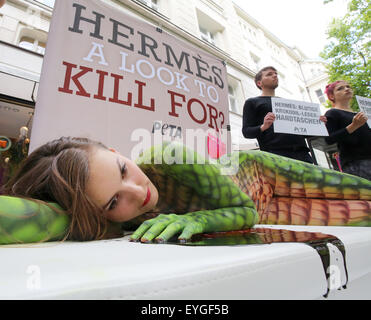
(194,196)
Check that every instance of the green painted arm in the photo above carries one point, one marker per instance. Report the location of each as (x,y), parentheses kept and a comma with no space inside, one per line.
(228,208)
(24,221)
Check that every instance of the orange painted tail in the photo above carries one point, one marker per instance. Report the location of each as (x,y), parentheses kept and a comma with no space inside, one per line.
(318,212)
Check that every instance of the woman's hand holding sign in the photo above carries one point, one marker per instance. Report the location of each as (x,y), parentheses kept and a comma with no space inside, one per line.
(358,121)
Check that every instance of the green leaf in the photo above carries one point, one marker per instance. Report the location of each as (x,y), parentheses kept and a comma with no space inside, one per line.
(347,52)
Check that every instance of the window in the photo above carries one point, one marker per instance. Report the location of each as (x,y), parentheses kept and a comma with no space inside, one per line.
(256,61)
(244,29)
(151,3)
(32,44)
(252,34)
(232,99)
(207,36)
(49,3)
(248,32)
(33,40)
(235,94)
(320,96)
(210,30)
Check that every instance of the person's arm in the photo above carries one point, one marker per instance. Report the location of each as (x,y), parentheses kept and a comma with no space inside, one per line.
(28,220)
(250,125)
(338,133)
(228,207)
(358,121)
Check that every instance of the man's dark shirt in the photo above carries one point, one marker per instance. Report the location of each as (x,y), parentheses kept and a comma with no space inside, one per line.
(254,111)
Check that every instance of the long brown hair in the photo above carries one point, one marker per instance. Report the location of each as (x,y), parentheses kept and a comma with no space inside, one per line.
(58,171)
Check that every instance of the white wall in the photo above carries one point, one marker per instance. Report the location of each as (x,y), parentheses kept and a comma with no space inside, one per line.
(239,40)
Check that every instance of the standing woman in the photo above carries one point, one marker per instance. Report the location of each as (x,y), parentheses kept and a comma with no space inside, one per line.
(349,130)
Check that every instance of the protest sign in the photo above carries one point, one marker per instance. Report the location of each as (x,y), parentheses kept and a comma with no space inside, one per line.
(297,117)
(114,78)
(365,106)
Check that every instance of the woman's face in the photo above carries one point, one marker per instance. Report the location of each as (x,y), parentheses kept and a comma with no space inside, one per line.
(342,91)
(119,186)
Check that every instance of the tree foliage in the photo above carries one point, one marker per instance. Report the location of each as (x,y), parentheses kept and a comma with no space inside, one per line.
(348,50)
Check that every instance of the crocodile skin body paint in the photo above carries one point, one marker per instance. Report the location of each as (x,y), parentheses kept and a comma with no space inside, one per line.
(196,198)
(256,236)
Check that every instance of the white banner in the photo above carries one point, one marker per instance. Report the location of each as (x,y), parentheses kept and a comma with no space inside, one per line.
(113,78)
(365,106)
(297,117)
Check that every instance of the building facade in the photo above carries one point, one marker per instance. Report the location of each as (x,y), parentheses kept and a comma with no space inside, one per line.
(219,27)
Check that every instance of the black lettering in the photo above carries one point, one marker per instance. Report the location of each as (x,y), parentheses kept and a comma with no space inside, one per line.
(164,128)
(218,73)
(201,68)
(179,62)
(78,18)
(172,129)
(178,133)
(116,33)
(145,44)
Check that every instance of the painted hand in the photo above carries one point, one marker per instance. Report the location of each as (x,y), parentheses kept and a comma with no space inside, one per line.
(165,226)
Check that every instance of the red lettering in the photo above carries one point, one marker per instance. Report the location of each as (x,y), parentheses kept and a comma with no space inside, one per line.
(189,107)
(140,98)
(67,80)
(213,116)
(115,97)
(174,103)
(100,96)
(222,122)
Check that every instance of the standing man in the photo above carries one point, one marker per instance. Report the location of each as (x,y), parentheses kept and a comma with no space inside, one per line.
(258,119)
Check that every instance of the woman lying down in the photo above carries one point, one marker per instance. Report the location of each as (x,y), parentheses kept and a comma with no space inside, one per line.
(78,189)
